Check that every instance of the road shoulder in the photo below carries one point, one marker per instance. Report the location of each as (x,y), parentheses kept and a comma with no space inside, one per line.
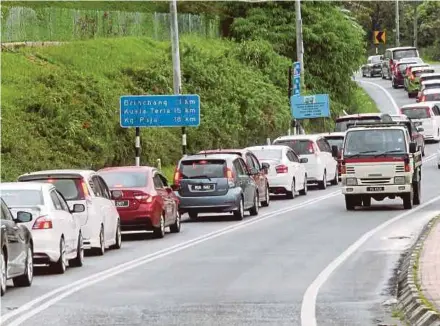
(419,279)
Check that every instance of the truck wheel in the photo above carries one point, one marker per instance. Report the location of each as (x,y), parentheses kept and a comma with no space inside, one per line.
(407,200)
(366,201)
(417,190)
(349,202)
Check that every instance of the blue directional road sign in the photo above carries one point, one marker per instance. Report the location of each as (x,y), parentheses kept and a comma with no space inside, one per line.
(160,111)
(309,107)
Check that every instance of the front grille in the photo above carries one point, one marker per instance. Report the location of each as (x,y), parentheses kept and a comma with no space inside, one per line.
(371,181)
(400,168)
(350,170)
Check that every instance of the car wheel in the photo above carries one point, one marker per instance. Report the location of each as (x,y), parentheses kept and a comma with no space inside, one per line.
(417,193)
(291,194)
(159,232)
(266,200)
(323,184)
(78,261)
(371,74)
(101,250)
(393,83)
(349,202)
(239,213)
(193,215)
(60,266)
(304,190)
(3,272)
(175,228)
(118,237)
(366,201)
(335,182)
(408,200)
(254,209)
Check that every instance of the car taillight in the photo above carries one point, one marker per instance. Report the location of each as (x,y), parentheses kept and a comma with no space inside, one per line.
(177,177)
(229,174)
(42,223)
(143,199)
(281,168)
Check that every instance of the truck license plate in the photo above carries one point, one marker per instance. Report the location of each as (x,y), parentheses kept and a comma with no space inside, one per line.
(375,188)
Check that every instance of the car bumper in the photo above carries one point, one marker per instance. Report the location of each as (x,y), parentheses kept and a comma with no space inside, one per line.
(279,183)
(376,71)
(387,189)
(46,246)
(211,204)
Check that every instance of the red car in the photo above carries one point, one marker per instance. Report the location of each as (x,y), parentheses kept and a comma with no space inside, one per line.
(143,199)
(399,71)
(258,172)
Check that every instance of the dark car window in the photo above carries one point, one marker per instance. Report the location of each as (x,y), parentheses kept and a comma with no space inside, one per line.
(69,188)
(124,179)
(432,97)
(63,203)
(416,113)
(163,179)
(204,168)
(239,167)
(256,162)
(250,162)
(104,188)
(157,182)
(96,186)
(20,197)
(299,146)
(55,200)
(335,141)
(292,156)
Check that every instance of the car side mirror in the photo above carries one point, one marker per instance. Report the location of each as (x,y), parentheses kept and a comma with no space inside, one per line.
(303,160)
(412,147)
(335,151)
(78,208)
(23,217)
(265,166)
(175,187)
(420,129)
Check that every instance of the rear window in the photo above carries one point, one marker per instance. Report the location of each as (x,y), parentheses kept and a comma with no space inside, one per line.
(22,197)
(432,97)
(416,113)
(194,169)
(335,141)
(342,124)
(421,72)
(124,179)
(409,53)
(429,78)
(429,86)
(300,147)
(268,154)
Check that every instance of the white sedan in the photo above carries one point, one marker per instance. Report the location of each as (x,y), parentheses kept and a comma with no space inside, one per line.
(286,172)
(57,236)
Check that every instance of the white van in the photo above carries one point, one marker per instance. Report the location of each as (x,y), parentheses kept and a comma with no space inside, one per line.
(427,114)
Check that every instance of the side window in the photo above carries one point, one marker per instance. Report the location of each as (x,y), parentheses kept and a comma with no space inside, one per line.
(256,162)
(294,156)
(63,203)
(239,168)
(243,166)
(55,200)
(104,188)
(157,182)
(327,146)
(6,215)
(289,156)
(94,183)
(436,110)
(163,180)
(250,162)
(320,145)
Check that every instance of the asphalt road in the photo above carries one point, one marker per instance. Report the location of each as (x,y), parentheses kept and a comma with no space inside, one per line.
(299,262)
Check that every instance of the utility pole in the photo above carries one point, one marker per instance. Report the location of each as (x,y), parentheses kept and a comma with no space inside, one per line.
(397,24)
(299,49)
(177,82)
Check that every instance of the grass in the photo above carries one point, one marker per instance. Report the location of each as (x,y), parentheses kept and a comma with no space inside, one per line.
(362,102)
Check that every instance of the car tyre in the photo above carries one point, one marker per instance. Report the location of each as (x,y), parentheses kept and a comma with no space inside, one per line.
(239,213)
(349,202)
(193,215)
(60,266)
(366,201)
(159,232)
(78,261)
(417,193)
(101,250)
(175,228)
(438,165)
(118,237)
(266,201)
(3,272)
(291,194)
(408,200)
(393,83)
(323,184)
(304,190)
(26,279)
(254,209)
(335,181)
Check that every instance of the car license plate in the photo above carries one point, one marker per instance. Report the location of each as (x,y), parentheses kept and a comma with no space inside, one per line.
(123,203)
(205,187)
(375,188)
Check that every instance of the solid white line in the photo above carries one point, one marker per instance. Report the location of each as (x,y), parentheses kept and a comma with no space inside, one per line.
(66,290)
(308,307)
(393,102)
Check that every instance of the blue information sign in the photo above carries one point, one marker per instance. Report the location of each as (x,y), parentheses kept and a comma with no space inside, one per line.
(309,107)
(160,111)
(296,68)
(296,85)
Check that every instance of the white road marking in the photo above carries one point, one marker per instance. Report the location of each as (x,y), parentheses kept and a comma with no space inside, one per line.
(308,307)
(393,102)
(45,301)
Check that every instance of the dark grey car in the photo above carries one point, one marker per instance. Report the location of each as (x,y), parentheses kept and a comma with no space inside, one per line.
(215,184)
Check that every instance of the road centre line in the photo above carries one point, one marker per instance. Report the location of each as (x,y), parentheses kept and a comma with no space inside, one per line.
(308,306)
(393,102)
(62,292)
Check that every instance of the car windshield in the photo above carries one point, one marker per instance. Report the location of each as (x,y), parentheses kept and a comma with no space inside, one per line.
(408,53)
(192,169)
(124,179)
(374,141)
(342,124)
(300,147)
(268,154)
(402,66)
(18,197)
(335,141)
(432,97)
(416,113)
(375,59)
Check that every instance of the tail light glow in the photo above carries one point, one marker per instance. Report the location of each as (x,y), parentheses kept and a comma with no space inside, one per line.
(143,198)
(229,174)
(42,223)
(177,176)
(281,168)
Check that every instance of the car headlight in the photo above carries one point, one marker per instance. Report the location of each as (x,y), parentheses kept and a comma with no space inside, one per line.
(351,181)
(399,180)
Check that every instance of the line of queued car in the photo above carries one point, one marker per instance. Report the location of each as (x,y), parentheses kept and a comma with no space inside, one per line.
(52,218)
(404,67)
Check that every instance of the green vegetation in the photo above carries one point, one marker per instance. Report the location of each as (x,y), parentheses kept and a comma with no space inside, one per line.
(60,104)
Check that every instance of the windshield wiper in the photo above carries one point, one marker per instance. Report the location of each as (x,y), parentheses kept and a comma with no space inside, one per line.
(360,153)
(200,177)
(388,152)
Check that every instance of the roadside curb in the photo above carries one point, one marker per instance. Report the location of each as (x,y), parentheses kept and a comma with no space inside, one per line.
(409,297)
